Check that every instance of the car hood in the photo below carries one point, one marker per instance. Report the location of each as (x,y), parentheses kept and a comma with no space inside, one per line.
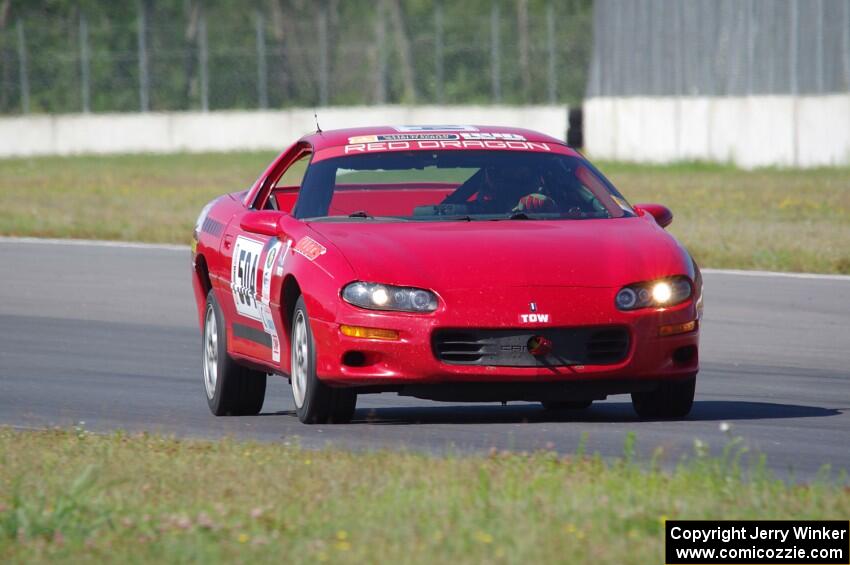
(512,253)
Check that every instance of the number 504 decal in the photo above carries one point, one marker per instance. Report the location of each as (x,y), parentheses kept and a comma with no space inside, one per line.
(243,276)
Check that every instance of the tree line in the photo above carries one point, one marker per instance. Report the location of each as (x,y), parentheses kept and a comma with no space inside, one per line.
(107,56)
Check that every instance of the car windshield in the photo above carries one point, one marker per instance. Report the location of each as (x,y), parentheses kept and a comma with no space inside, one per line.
(457,186)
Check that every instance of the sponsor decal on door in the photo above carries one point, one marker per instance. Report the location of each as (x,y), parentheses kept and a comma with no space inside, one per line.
(243,276)
(249,256)
(265,297)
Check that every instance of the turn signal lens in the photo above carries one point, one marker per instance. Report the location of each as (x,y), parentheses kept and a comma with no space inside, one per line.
(368,333)
(676,329)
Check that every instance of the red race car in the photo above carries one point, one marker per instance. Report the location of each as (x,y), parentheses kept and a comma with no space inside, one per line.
(459,263)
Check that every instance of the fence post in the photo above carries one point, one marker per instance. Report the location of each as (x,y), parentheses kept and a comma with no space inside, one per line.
(495,79)
(792,47)
(262,71)
(438,50)
(550,45)
(845,41)
(144,78)
(819,8)
(85,72)
(24,75)
(322,34)
(380,53)
(770,13)
(203,60)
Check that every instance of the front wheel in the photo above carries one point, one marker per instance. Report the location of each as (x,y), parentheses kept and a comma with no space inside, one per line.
(670,400)
(232,390)
(315,402)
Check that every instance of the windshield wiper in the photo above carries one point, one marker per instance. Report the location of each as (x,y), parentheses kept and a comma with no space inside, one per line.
(519,216)
(360,214)
(464,218)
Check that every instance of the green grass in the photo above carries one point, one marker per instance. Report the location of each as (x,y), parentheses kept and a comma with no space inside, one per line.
(152,198)
(782,220)
(76,497)
(785,220)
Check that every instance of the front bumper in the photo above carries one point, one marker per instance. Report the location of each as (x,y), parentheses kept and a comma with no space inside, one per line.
(411,360)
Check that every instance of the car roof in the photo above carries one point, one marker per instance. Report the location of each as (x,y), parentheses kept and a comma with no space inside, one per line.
(339,137)
(330,143)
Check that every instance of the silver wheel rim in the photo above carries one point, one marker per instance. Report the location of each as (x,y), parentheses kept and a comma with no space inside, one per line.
(300,359)
(210,353)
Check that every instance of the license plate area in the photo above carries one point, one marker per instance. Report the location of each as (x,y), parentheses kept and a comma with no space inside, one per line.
(593,345)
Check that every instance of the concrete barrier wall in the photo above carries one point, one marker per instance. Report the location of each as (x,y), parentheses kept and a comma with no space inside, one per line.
(240,130)
(752,131)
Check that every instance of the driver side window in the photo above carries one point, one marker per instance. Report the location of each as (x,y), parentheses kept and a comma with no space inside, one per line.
(285,190)
(292,176)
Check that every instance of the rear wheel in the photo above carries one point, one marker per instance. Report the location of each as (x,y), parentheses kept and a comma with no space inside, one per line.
(566,405)
(670,400)
(315,402)
(232,390)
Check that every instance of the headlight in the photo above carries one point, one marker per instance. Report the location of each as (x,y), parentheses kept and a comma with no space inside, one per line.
(654,294)
(376,296)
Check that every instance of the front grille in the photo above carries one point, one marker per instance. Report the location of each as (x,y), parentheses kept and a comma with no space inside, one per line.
(592,345)
(459,348)
(607,346)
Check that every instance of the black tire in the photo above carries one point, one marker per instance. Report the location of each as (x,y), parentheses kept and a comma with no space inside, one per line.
(343,404)
(566,405)
(670,400)
(235,390)
(315,402)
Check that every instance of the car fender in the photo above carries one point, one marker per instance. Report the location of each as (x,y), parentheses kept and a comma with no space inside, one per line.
(310,261)
(207,264)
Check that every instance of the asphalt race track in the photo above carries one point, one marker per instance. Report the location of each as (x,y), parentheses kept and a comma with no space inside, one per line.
(107,335)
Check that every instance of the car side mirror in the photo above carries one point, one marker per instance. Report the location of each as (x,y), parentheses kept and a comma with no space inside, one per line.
(286,225)
(662,214)
(263,222)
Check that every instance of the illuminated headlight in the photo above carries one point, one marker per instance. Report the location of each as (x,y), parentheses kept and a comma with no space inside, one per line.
(376,296)
(662,292)
(654,294)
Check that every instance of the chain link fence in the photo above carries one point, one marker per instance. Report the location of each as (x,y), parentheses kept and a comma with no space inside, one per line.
(720,47)
(62,56)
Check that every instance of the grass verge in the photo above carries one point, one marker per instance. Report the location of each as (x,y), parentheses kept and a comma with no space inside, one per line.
(785,220)
(777,220)
(77,497)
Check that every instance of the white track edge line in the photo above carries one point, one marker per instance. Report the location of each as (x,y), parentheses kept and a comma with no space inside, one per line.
(95,243)
(777,274)
(173,247)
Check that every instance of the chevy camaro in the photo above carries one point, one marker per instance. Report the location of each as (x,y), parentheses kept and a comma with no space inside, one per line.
(457,263)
